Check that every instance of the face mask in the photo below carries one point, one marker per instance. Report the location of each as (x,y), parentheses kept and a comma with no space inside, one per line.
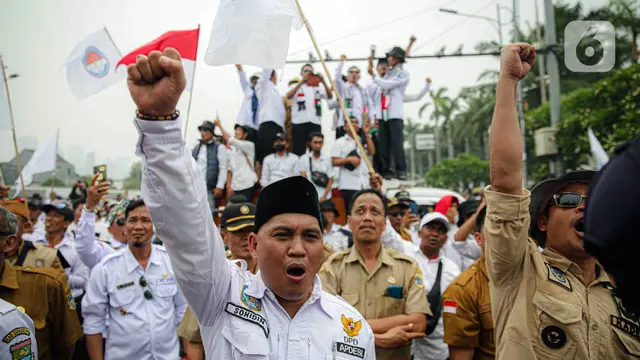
(279,147)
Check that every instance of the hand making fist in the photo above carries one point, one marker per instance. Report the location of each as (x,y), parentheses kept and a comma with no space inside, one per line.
(156,82)
(516,60)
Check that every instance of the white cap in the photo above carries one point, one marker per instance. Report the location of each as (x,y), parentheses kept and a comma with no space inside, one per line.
(435,216)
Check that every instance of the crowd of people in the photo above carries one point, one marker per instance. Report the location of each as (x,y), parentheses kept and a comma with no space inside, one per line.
(503,275)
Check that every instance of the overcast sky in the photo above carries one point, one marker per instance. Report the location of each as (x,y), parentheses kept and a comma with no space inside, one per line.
(36,36)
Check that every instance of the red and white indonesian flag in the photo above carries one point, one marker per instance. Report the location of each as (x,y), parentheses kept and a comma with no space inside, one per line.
(449,306)
(252,33)
(184,41)
(91,65)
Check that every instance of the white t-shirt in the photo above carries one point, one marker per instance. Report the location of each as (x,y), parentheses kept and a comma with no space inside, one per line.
(306,104)
(356,179)
(276,167)
(322,164)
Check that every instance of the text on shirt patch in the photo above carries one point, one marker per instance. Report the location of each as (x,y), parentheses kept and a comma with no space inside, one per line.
(349,349)
(165,281)
(15,332)
(558,277)
(252,303)
(247,315)
(352,328)
(122,286)
(627,320)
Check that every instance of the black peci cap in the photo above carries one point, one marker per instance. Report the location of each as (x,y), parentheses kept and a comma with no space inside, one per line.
(236,217)
(329,205)
(292,195)
(466,209)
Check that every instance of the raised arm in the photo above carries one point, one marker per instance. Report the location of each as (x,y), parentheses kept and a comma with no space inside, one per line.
(244,83)
(399,80)
(415,97)
(337,76)
(174,189)
(412,40)
(264,84)
(89,250)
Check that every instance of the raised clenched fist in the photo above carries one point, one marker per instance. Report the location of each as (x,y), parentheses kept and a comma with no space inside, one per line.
(516,60)
(156,82)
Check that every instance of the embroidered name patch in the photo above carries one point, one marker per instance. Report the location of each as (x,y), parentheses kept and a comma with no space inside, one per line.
(558,277)
(349,350)
(122,286)
(247,315)
(15,332)
(164,281)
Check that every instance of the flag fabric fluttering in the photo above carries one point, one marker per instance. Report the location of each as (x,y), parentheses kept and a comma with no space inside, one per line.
(184,41)
(597,151)
(5,113)
(43,160)
(252,33)
(91,66)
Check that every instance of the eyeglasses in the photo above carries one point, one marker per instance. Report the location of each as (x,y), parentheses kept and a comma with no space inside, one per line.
(397,213)
(147,293)
(568,199)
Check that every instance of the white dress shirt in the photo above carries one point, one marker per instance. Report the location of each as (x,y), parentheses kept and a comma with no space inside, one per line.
(394,84)
(357,99)
(276,167)
(306,104)
(239,160)
(382,100)
(115,244)
(90,251)
(137,328)
(337,237)
(356,179)
(270,102)
(239,316)
(17,333)
(245,115)
(78,273)
(469,250)
(321,164)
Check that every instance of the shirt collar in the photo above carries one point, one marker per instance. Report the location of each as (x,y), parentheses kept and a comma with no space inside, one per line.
(9,277)
(564,264)
(383,257)
(133,264)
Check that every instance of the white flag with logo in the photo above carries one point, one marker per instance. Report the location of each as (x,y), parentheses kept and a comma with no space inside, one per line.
(5,114)
(43,160)
(597,151)
(91,66)
(252,33)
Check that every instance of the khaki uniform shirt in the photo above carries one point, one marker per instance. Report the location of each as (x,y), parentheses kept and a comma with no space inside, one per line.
(43,294)
(328,251)
(38,255)
(346,275)
(467,314)
(541,307)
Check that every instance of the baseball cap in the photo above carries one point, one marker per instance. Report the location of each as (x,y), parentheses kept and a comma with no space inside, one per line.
(61,208)
(435,216)
(394,201)
(207,125)
(16,207)
(281,136)
(236,217)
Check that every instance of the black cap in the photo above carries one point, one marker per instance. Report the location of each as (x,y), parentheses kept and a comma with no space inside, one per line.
(329,205)
(243,127)
(207,125)
(465,209)
(61,208)
(236,217)
(237,198)
(542,194)
(397,53)
(403,196)
(281,136)
(292,195)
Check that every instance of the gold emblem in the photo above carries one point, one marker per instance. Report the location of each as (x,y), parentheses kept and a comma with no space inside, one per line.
(350,327)
(123,312)
(244,210)
(20,308)
(164,276)
(392,280)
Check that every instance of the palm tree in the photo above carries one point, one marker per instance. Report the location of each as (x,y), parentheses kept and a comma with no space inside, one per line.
(411,128)
(625,16)
(474,118)
(438,100)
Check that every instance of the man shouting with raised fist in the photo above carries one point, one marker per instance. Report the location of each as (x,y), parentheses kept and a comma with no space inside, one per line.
(280,313)
(558,303)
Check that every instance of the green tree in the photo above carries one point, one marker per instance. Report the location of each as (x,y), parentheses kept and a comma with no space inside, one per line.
(461,172)
(134,180)
(49,181)
(624,16)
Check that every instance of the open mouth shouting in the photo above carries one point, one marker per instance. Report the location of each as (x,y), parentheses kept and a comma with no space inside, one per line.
(578,226)
(296,272)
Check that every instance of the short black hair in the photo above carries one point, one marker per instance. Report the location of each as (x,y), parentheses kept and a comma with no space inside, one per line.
(382,61)
(377,193)
(237,199)
(78,202)
(305,65)
(480,219)
(315,134)
(132,206)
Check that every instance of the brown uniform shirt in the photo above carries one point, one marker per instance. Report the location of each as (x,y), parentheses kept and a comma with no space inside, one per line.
(37,255)
(345,275)
(467,317)
(541,307)
(44,295)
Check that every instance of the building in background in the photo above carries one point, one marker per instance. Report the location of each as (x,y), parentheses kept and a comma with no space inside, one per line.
(65,171)
(27,142)
(76,156)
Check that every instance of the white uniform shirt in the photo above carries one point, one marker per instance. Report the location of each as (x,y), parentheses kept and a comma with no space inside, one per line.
(382,100)
(239,317)
(357,99)
(137,328)
(337,238)
(394,84)
(90,251)
(17,333)
(240,158)
(270,102)
(115,244)
(245,115)
(306,104)
(322,164)
(276,167)
(356,179)
(469,250)
(78,273)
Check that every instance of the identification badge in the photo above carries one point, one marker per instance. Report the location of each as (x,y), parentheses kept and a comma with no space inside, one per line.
(247,315)
(340,348)
(165,281)
(125,285)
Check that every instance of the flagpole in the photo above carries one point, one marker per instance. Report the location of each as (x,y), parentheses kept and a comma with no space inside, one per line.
(110,38)
(55,162)
(333,85)
(13,130)
(193,86)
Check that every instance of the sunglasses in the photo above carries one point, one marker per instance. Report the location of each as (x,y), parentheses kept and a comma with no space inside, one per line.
(147,293)
(568,199)
(120,222)
(396,213)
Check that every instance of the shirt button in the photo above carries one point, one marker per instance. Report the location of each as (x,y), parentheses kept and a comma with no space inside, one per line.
(370,302)
(594,327)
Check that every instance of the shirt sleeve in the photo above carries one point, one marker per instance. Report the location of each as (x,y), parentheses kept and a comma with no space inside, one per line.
(301,165)
(244,84)
(416,300)
(175,193)
(462,328)
(338,79)
(415,97)
(79,275)
(180,306)
(246,146)
(223,166)
(65,327)
(264,178)
(328,279)
(89,250)
(189,328)
(506,230)
(335,150)
(399,80)
(262,86)
(95,303)
(468,248)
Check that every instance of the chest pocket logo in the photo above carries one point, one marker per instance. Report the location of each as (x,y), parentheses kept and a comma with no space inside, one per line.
(166,286)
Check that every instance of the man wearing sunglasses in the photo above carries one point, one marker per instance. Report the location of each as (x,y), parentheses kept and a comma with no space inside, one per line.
(135,289)
(397,211)
(558,303)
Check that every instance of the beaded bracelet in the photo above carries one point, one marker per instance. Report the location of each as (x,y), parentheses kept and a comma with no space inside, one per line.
(142,116)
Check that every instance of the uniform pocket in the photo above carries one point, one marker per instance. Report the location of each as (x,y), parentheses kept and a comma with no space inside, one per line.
(352,299)
(557,332)
(486,322)
(166,290)
(120,298)
(631,344)
(391,306)
(247,343)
